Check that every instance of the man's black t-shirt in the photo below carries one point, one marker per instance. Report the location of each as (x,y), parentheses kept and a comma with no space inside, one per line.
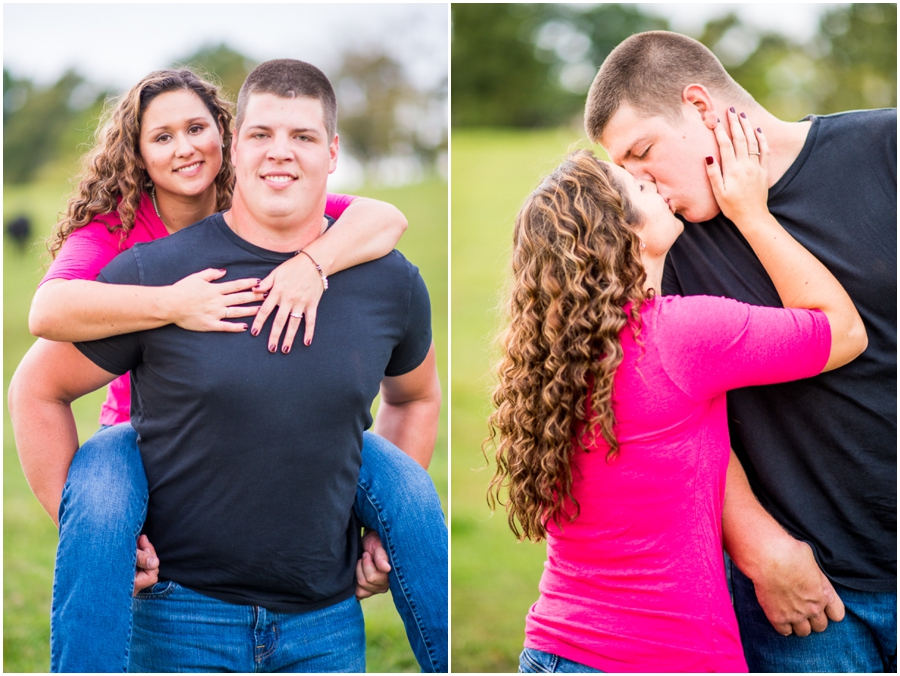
(252,458)
(821,453)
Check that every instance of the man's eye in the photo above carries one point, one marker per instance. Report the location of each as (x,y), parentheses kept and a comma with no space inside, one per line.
(644,154)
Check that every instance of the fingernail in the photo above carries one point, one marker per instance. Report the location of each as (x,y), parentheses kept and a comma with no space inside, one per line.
(744,116)
(272,348)
(709,159)
(243,327)
(759,130)
(307,342)
(153,563)
(731,109)
(254,332)
(266,294)
(286,349)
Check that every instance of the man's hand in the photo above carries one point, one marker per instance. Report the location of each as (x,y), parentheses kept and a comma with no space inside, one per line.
(372,568)
(146,573)
(794,593)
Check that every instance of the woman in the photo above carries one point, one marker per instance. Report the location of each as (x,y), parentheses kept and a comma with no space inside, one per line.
(158,166)
(611,426)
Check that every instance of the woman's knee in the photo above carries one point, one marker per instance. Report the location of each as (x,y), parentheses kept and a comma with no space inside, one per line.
(106,484)
(386,470)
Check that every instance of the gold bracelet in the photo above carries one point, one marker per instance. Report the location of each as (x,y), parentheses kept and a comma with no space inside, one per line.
(318,267)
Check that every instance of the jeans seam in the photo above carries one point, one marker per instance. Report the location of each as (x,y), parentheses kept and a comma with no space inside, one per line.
(420,624)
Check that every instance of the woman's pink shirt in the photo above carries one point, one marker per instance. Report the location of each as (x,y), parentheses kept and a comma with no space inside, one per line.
(87,251)
(636,582)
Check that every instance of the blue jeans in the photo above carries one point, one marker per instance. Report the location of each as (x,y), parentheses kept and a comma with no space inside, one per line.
(533,661)
(103,508)
(864,641)
(179,630)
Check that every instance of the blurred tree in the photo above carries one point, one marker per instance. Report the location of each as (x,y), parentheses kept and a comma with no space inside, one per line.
(860,70)
(222,64)
(383,118)
(33,130)
(499,77)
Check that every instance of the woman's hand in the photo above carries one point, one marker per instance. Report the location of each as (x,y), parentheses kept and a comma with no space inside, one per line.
(295,288)
(741,184)
(197,304)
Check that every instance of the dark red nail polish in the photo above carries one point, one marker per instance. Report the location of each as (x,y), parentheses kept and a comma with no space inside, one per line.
(272,348)
(266,294)
(709,159)
(744,116)
(243,327)
(307,342)
(286,349)
(731,109)
(254,332)
(759,130)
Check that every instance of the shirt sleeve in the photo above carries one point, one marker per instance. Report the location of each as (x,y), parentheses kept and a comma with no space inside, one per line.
(84,253)
(413,347)
(336,204)
(710,345)
(117,354)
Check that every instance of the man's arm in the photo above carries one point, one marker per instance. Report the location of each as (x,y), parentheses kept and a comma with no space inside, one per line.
(409,410)
(49,378)
(792,590)
(408,418)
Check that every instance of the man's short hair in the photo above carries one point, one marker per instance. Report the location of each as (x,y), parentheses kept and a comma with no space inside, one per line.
(289,78)
(649,71)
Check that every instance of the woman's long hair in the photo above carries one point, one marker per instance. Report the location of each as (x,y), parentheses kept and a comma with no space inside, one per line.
(112,170)
(576,267)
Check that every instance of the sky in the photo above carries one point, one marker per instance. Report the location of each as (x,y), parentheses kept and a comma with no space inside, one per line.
(116,44)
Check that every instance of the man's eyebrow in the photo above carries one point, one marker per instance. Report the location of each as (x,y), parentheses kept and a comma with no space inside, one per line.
(640,140)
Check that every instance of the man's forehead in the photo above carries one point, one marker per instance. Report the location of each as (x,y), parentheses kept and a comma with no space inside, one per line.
(627,130)
(265,107)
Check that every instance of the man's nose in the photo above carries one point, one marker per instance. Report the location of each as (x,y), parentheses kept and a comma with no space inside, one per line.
(279,147)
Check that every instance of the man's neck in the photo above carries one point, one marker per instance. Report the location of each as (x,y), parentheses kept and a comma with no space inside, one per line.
(283,235)
(785,140)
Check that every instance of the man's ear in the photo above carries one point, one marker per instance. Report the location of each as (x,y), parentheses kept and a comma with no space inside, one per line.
(698,96)
(333,153)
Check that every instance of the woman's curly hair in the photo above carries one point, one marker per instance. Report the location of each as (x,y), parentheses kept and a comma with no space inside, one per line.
(112,168)
(576,267)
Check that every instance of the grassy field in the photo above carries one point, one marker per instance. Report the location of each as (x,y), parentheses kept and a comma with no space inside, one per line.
(494,579)
(29,537)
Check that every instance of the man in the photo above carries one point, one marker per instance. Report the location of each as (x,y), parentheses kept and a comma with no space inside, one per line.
(820,454)
(252,460)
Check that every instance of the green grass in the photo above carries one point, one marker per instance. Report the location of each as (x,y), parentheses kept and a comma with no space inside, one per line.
(29,537)
(494,579)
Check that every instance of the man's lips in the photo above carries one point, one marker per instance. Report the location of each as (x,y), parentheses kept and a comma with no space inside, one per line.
(279,178)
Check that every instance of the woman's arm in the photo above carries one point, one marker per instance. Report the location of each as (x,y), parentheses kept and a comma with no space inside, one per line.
(368,229)
(800,279)
(49,378)
(72,310)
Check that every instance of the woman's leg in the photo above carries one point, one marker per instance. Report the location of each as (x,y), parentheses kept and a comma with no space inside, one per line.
(103,507)
(396,498)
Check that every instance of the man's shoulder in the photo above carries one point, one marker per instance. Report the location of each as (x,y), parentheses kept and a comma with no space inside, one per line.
(162,255)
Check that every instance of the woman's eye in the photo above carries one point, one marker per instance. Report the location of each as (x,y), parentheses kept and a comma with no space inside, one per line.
(163,137)
(644,154)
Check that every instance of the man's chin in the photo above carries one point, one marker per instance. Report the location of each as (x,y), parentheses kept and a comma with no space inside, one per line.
(700,215)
